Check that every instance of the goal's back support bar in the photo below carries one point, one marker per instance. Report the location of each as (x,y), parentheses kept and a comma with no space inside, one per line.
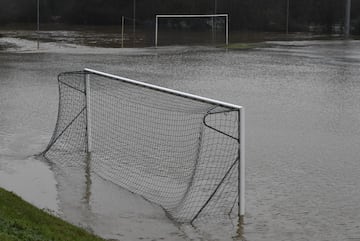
(226,16)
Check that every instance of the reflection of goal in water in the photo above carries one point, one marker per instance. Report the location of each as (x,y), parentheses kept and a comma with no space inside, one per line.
(180,151)
(194,24)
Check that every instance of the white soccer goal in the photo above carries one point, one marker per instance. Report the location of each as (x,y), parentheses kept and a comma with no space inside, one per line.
(211,16)
(183,152)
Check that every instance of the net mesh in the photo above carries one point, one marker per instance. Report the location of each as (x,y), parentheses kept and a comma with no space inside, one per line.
(177,152)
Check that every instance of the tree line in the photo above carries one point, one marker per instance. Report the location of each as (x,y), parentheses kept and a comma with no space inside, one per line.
(261,15)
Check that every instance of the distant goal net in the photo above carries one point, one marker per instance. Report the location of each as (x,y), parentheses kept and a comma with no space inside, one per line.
(191,29)
(180,151)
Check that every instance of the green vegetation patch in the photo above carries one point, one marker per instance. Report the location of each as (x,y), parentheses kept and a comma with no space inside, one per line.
(247,46)
(20,220)
(6,45)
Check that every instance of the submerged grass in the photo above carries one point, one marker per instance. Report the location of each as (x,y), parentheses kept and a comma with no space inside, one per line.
(247,46)
(20,220)
(5,45)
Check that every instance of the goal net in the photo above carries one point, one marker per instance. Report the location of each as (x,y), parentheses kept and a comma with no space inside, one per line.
(192,29)
(180,151)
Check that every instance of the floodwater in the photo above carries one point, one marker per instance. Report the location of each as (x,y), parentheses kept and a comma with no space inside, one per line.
(302,103)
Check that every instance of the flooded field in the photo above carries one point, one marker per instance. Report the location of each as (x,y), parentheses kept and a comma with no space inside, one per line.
(302,135)
(112,36)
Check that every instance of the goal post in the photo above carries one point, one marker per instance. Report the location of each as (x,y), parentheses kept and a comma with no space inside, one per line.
(181,151)
(88,112)
(159,16)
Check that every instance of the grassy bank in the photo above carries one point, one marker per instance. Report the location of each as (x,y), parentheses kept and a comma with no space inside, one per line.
(20,220)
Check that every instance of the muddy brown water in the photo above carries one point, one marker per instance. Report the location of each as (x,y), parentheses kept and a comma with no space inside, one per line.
(302,101)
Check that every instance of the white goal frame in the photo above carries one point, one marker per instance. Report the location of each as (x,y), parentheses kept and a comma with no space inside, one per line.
(84,93)
(226,16)
(241,119)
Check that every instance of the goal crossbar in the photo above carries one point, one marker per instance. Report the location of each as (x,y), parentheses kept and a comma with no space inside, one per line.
(226,16)
(166,90)
(190,15)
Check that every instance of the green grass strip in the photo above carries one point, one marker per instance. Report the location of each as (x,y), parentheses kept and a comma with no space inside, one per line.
(20,221)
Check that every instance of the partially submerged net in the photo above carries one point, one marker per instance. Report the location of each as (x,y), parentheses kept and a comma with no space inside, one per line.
(179,152)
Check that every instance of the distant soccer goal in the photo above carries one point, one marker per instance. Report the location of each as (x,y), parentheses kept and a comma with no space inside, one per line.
(181,151)
(205,26)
